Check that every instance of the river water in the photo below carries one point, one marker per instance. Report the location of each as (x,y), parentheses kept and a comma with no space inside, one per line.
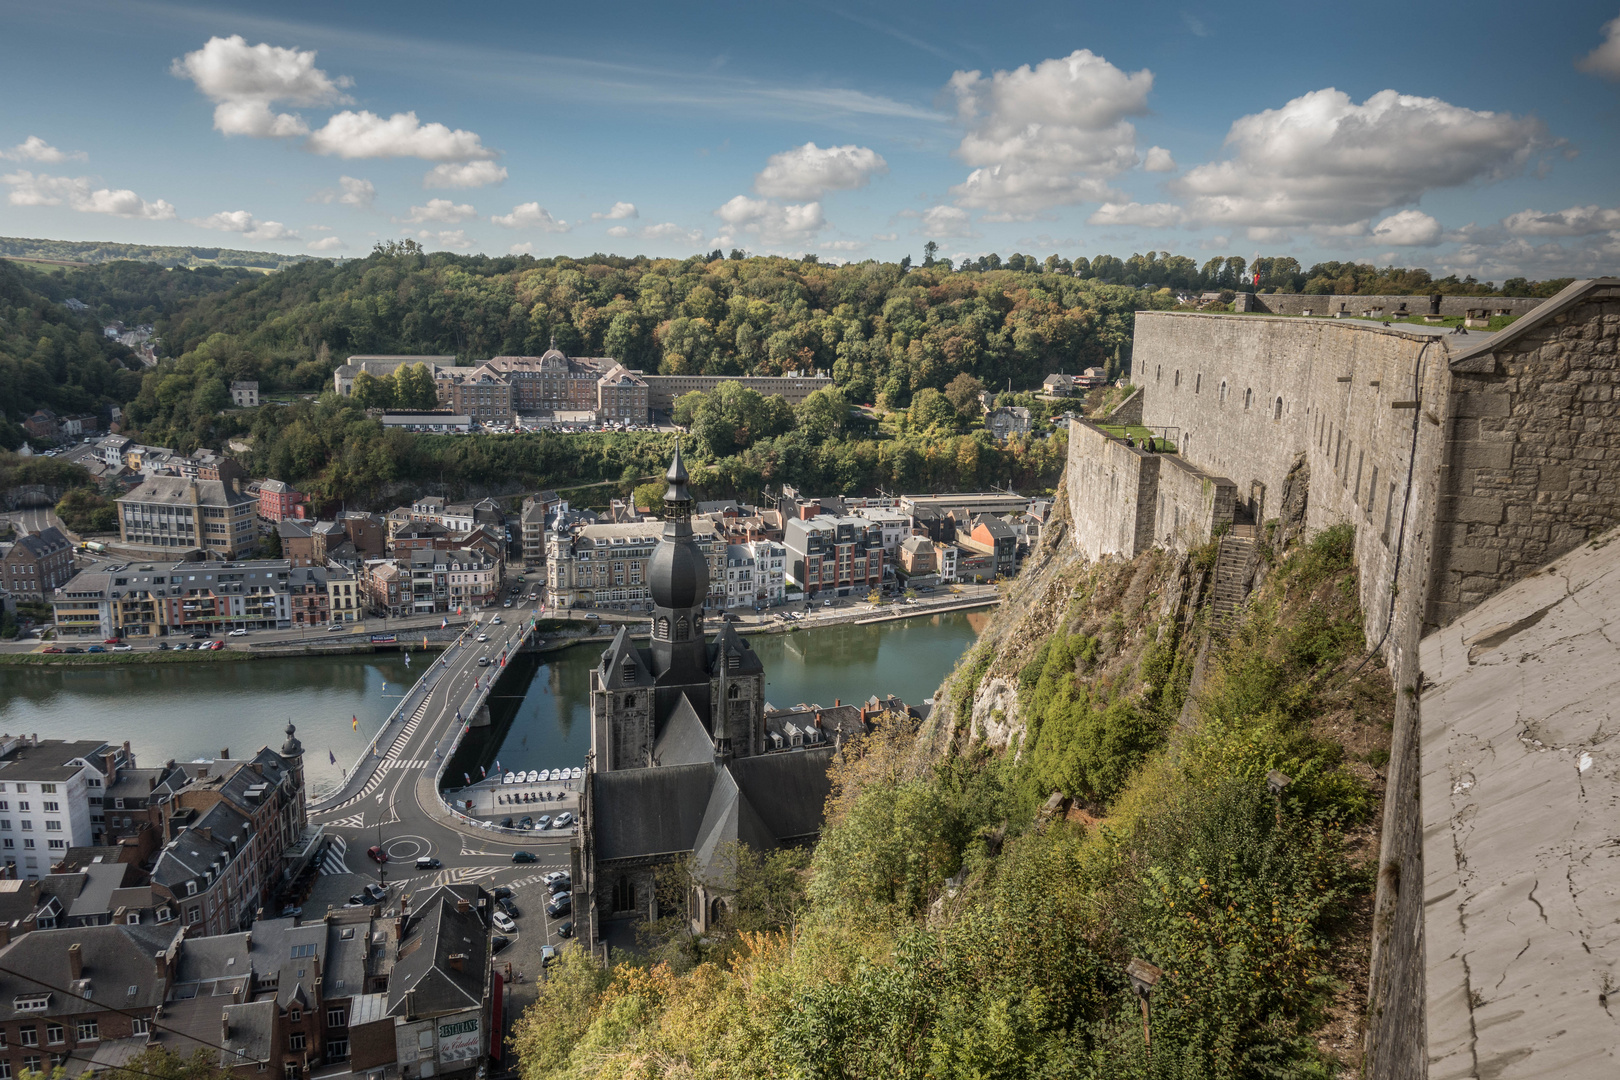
(185,711)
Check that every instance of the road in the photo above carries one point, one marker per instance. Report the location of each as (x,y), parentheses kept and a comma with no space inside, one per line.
(33,519)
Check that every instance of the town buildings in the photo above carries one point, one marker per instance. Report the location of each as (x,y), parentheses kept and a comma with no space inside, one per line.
(1005,421)
(153,599)
(278,500)
(245,394)
(51,798)
(379,367)
(473,579)
(536,509)
(835,556)
(33,567)
(170,515)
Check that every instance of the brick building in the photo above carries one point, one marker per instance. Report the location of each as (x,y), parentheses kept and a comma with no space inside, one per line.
(829,555)
(37,564)
(278,499)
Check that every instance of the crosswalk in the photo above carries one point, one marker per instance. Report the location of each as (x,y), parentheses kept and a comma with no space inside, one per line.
(333,861)
(353,821)
(460,875)
(404,764)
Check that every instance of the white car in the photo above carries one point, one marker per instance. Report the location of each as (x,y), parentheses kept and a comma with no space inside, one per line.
(503,922)
(123,648)
(482,637)
(564,820)
(238,632)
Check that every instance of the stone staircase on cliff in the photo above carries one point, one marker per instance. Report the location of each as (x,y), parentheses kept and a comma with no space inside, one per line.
(1234,570)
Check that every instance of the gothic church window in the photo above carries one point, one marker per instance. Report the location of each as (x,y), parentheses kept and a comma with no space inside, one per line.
(624,894)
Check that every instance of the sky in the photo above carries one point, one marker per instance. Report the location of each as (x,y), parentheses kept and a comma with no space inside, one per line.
(1390,133)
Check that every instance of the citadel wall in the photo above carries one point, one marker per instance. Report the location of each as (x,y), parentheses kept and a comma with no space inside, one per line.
(1392,305)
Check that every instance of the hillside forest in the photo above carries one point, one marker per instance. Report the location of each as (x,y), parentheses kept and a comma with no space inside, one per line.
(894,337)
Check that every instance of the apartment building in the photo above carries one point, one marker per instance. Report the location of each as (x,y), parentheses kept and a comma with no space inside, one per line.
(278,499)
(475,392)
(51,798)
(833,555)
(740,564)
(153,599)
(379,367)
(34,566)
(429,570)
(308,601)
(991,536)
(345,596)
(604,565)
(621,396)
(169,515)
(474,578)
(770,571)
(536,509)
(552,382)
(388,587)
(894,524)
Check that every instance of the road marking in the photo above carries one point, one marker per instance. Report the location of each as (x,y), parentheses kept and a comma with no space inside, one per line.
(353,821)
(460,875)
(333,861)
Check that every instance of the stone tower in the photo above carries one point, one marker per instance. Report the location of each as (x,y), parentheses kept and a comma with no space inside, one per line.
(293,751)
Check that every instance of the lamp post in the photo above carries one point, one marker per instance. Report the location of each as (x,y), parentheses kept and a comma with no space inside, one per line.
(1144,976)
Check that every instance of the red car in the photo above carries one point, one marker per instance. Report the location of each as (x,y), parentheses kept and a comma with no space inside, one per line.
(216,644)
(50,649)
(377,854)
(109,641)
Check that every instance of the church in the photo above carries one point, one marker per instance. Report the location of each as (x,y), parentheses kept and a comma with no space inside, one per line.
(683,761)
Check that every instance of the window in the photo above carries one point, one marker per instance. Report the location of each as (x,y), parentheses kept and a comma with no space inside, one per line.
(54,1034)
(140,1025)
(53,808)
(337,1018)
(289,1070)
(337,1048)
(193,914)
(297,951)
(1276,409)
(31,1062)
(629,701)
(53,826)
(5,1069)
(297,1040)
(295,1015)
(624,894)
(28,1036)
(24,807)
(1178,379)
(164,915)
(48,789)
(86,1031)
(28,845)
(56,845)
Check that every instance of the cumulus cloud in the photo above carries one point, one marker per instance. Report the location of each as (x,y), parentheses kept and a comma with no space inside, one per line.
(845,245)
(1158,159)
(529,215)
(809,172)
(1590,256)
(525,248)
(769,221)
(35,148)
(473,174)
(351,191)
(1323,159)
(670,231)
(77,193)
(1046,136)
(1409,228)
(364,134)
(448,239)
(245,81)
(619,232)
(445,210)
(944,222)
(1604,61)
(1147,215)
(620,211)
(326,243)
(251,228)
(1575,221)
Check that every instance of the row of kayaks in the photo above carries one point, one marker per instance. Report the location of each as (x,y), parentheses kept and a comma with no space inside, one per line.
(540,776)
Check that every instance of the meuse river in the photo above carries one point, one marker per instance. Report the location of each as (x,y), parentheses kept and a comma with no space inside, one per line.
(186,711)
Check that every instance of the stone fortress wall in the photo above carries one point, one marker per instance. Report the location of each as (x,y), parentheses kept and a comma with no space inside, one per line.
(1348,305)
(1465,463)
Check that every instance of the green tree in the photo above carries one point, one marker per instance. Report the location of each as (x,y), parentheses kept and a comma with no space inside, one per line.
(931,409)
(963,394)
(823,415)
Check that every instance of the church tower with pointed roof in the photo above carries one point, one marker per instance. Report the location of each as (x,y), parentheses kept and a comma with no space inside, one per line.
(683,699)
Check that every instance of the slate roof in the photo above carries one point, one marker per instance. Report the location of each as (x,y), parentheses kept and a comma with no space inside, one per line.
(729,819)
(95,899)
(51,760)
(345,968)
(252,1027)
(116,958)
(733,645)
(424,982)
(190,854)
(788,789)
(643,812)
(624,665)
(48,541)
(684,740)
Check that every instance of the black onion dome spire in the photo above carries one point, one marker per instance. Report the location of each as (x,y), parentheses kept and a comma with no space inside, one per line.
(292,747)
(678,574)
(677,499)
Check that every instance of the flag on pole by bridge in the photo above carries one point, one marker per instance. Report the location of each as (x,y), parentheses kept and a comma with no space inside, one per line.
(443,623)
(482,775)
(424,641)
(407,659)
(467,778)
(331,757)
(355,726)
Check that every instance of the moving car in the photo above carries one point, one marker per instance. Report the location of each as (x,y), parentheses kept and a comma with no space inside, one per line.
(482,637)
(198,635)
(428,862)
(377,854)
(50,649)
(334,626)
(483,661)
(592,615)
(109,641)
(123,648)
(96,648)
(523,857)
(503,922)
(238,632)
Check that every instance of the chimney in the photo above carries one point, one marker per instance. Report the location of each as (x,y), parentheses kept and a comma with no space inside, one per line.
(160,966)
(225,752)
(207,831)
(818,718)
(457,960)
(225,1027)
(462,906)
(75,962)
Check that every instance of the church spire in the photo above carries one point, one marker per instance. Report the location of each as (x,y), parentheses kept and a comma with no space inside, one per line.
(677,499)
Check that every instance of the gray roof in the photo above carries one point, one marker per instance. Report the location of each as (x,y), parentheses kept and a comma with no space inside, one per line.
(642,812)
(102,880)
(624,665)
(684,740)
(292,528)
(789,790)
(252,1032)
(730,819)
(51,760)
(741,659)
(48,541)
(1546,312)
(190,855)
(176,491)
(117,959)
(425,980)
(347,945)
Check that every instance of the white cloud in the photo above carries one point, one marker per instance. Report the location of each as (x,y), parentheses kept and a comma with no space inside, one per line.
(1147,215)
(621,211)
(241,221)
(1575,221)
(472,174)
(35,148)
(809,172)
(38,189)
(529,215)
(1046,136)
(845,245)
(1590,256)
(1604,61)
(771,222)
(1322,159)
(669,231)
(945,222)
(886,237)
(445,210)
(1158,159)
(364,134)
(525,248)
(449,239)
(619,232)
(244,81)
(326,243)
(1269,234)
(1409,228)
(351,191)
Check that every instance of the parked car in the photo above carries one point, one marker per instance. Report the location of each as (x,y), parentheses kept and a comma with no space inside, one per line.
(123,648)
(377,854)
(592,615)
(506,823)
(561,904)
(109,641)
(356,900)
(509,907)
(560,884)
(50,649)
(238,632)
(376,893)
(428,862)
(291,910)
(501,892)
(503,922)
(566,930)
(548,953)
(76,649)
(334,626)
(527,823)
(96,648)
(564,820)
(542,822)
(497,942)
(163,646)
(523,857)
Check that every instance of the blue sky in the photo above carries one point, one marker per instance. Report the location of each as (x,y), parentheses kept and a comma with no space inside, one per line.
(1394,134)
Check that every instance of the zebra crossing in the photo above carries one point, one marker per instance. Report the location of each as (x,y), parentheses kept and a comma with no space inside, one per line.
(333,861)
(353,821)
(404,764)
(461,875)
(380,771)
